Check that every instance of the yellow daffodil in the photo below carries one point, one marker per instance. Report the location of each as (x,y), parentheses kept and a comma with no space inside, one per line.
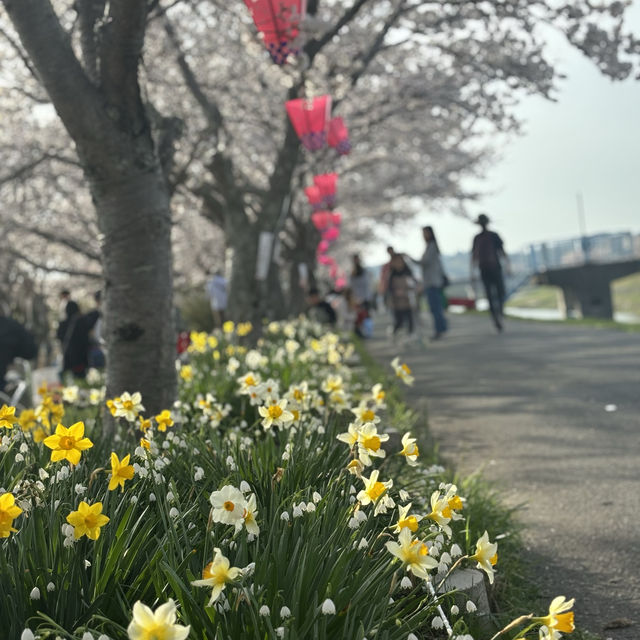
(7,416)
(198,342)
(145,444)
(228,327)
(156,625)
(186,372)
(121,471)
(410,450)
(244,329)
(559,618)
(68,444)
(145,424)
(9,511)
(402,371)
(212,341)
(111,405)
(87,520)
(414,554)
(275,414)
(486,555)
(216,575)
(406,521)
(27,419)
(164,420)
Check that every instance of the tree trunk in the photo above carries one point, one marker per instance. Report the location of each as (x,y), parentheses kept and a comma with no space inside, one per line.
(135,221)
(243,287)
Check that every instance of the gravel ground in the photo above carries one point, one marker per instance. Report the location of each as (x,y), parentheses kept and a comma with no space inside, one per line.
(551,414)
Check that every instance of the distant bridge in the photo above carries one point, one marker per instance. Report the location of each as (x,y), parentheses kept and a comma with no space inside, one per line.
(586,288)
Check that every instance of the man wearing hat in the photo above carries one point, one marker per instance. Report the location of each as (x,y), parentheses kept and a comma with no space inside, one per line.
(487,253)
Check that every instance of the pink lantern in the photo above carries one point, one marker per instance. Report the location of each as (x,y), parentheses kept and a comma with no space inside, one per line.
(309,119)
(314,196)
(336,219)
(338,137)
(321,219)
(327,182)
(326,260)
(323,246)
(341,282)
(331,234)
(333,271)
(278,21)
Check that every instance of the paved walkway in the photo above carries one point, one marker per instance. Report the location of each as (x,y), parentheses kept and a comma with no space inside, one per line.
(529,407)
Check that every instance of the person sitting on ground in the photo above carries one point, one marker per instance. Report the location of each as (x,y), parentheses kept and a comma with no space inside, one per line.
(319,309)
(15,342)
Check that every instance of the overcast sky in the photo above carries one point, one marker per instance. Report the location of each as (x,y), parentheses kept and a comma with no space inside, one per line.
(588,141)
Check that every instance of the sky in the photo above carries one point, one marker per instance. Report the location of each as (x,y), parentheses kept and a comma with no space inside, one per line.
(588,141)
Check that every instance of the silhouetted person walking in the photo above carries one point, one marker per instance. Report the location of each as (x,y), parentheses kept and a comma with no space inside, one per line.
(74,335)
(486,254)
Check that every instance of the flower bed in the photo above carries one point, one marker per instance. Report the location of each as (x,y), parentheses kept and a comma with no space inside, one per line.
(269,502)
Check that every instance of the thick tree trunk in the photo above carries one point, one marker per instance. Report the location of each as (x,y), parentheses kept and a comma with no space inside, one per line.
(135,221)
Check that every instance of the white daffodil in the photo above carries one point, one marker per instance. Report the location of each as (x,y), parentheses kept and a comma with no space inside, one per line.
(369,443)
(414,554)
(275,414)
(216,575)
(228,505)
(402,371)
(410,450)
(405,521)
(375,492)
(128,406)
(486,555)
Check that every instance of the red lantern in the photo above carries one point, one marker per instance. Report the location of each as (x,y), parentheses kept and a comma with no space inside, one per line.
(323,246)
(278,21)
(326,182)
(321,219)
(326,260)
(314,196)
(338,137)
(341,282)
(336,219)
(309,118)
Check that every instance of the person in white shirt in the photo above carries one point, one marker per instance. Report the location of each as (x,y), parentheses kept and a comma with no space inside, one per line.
(217,292)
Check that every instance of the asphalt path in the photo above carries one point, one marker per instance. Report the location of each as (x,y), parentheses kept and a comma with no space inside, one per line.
(551,414)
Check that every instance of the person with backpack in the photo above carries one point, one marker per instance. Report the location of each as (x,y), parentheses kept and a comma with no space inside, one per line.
(399,288)
(487,253)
